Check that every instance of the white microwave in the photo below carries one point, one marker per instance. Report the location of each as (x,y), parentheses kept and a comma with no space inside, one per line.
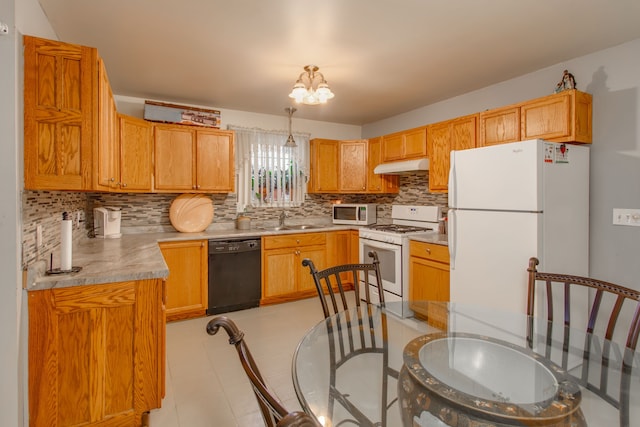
(354,214)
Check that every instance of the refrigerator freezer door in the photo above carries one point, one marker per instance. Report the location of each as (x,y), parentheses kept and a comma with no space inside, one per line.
(490,253)
(499,177)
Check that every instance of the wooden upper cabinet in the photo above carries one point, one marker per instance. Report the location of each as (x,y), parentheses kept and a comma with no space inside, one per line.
(499,126)
(409,144)
(107,164)
(457,134)
(439,146)
(325,170)
(415,143)
(562,117)
(59,114)
(174,158)
(353,166)
(193,159)
(136,154)
(215,159)
(392,147)
(378,183)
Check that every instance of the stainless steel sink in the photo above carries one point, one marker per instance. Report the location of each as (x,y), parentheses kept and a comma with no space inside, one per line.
(291,227)
(300,227)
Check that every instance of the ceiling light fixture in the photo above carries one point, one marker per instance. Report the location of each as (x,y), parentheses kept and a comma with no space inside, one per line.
(290,141)
(311,88)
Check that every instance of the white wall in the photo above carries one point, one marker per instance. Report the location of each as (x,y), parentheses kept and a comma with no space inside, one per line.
(23,17)
(612,76)
(10,294)
(135,107)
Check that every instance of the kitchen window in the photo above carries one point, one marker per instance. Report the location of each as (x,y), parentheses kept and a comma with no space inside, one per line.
(269,174)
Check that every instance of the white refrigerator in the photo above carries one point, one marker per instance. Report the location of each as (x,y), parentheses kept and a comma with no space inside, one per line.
(508,203)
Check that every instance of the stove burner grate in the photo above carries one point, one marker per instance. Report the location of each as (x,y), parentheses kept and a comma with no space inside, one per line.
(397,228)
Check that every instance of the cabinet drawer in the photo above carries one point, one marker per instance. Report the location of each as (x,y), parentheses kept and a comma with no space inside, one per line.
(293,240)
(439,253)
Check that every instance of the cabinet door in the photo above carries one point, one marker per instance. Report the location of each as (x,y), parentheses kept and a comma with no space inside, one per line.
(562,117)
(353,166)
(499,126)
(59,84)
(464,132)
(136,148)
(439,146)
(338,252)
(378,183)
(107,165)
(174,158)
(94,354)
(318,255)
(214,161)
(325,166)
(280,271)
(392,147)
(429,280)
(187,284)
(415,143)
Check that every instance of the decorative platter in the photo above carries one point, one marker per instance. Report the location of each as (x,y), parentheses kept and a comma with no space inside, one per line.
(461,377)
(191,213)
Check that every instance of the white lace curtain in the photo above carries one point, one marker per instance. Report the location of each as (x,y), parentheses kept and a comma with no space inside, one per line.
(268,173)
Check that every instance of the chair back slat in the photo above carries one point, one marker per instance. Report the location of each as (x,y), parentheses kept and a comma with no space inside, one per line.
(595,376)
(329,282)
(273,413)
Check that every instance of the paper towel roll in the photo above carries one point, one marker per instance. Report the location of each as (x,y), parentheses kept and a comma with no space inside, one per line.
(65,244)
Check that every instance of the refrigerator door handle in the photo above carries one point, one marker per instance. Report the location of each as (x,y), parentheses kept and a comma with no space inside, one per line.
(452,180)
(451,237)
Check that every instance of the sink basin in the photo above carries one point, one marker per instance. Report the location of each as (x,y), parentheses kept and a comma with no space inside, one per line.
(291,227)
(300,227)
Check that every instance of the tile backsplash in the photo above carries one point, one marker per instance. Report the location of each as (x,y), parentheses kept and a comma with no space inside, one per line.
(150,212)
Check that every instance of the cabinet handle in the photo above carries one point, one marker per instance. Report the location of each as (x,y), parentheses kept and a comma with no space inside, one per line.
(124,184)
(297,240)
(112,179)
(428,250)
(364,188)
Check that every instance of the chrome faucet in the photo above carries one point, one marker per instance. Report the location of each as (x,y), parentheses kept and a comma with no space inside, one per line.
(282,216)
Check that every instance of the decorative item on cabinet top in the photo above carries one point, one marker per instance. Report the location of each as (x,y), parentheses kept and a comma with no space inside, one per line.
(172,113)
(191,213)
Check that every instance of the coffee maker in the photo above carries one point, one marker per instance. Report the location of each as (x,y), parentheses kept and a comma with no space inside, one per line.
(106,222)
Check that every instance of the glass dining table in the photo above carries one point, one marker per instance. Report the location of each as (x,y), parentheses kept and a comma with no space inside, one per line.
(456,365)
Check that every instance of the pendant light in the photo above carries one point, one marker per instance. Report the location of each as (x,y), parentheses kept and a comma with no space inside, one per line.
(290,141)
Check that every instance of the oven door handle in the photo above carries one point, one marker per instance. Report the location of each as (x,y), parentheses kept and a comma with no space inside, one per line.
(375,244)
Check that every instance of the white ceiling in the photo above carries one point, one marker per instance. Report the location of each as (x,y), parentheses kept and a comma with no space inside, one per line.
(380,57)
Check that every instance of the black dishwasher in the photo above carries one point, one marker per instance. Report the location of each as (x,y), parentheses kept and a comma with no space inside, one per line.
(234,275)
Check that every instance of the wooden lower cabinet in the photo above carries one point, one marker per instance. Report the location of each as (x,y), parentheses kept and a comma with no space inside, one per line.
(96,353)
(283,276)
(428,278)
(187,284)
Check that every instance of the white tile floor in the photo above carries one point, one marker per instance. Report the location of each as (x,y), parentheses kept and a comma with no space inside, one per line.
(205,383)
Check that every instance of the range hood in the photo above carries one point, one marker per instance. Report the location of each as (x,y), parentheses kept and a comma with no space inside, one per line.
(402,167)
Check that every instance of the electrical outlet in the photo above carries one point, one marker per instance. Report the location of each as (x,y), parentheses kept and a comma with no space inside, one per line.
(626,217)
(38,236)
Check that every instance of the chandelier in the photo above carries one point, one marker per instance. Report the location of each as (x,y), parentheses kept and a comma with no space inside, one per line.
(311,88)
(290,141)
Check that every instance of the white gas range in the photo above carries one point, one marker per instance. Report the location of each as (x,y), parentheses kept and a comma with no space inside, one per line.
(391,242)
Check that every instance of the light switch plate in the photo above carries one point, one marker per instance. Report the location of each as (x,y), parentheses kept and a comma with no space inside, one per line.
(626,217)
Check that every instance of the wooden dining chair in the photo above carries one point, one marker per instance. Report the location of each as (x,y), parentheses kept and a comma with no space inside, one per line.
(330,283)
(595,346)
(273,413)
(344,344)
